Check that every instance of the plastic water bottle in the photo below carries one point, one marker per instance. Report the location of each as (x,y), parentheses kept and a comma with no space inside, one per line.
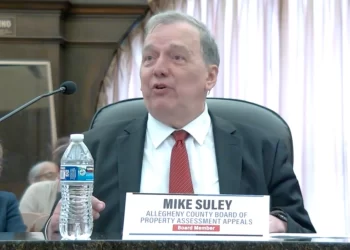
(77,177)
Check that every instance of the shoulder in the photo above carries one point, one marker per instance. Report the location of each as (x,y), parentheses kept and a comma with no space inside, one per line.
(13,219)
(105,130)
(8,199)
(254,134)
(255,142)
(41,186)
(259,145)
(7,196)
(248,133)
(111,131)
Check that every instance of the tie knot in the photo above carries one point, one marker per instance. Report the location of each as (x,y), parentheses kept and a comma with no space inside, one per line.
(180,135)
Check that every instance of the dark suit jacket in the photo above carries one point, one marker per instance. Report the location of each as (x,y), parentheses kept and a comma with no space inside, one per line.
(10,217)
(248,160)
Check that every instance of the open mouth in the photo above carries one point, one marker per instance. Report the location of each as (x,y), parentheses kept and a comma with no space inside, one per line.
(160,86)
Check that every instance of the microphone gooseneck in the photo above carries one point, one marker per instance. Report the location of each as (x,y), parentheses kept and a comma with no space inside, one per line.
(66,88)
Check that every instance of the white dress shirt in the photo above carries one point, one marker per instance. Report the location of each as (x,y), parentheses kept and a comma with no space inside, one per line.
(201,154)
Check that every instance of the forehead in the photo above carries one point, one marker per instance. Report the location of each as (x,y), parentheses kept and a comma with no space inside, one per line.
(48,167)
(166,35)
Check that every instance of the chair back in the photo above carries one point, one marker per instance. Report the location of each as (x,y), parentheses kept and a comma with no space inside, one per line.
(232,110)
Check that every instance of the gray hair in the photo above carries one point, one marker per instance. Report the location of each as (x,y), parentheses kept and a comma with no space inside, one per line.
(210,51)
(34,172)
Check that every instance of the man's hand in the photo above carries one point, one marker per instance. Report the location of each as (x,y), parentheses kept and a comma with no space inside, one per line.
(53,226)
(277,226)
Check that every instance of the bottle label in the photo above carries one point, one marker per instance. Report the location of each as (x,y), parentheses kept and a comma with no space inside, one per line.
(77,173)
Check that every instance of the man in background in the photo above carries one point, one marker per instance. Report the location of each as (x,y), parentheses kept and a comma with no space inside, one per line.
(41,196)
(43,171)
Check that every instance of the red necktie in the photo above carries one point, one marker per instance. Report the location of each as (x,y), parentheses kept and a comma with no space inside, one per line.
(180,175)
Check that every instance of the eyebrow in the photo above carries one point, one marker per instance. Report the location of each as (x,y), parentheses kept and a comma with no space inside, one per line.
(148,47)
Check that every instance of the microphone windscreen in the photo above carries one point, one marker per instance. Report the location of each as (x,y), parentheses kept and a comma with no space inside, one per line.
(69,86)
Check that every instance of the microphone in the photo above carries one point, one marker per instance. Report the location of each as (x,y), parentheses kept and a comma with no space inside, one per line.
(66,88)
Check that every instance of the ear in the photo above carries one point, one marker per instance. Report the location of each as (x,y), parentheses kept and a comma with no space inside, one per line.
(212,76)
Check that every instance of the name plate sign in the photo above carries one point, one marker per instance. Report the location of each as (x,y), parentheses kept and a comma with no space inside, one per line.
(195,217)
(7,26)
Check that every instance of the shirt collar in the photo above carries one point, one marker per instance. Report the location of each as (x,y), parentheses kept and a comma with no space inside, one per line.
(198,128)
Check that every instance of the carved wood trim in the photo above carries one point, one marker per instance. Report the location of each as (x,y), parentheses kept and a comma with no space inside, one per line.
(107,10)
(38,5)
(31,40)
(77,9)
(56,40)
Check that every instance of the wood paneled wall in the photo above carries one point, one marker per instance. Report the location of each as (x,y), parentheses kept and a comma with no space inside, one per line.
(79,38)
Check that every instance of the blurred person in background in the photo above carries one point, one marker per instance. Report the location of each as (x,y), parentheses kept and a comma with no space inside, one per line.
(40,196)
(43,171)
(10,217)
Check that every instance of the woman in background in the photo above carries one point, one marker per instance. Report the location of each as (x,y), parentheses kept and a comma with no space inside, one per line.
(10,217)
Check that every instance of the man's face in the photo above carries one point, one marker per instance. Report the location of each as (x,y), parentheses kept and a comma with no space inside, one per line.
(48,172)
(174,77)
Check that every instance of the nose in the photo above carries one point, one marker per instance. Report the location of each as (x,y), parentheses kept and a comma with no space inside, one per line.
(161,68)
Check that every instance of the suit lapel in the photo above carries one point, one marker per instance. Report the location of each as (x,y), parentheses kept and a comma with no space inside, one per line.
(130,147)
(228,155)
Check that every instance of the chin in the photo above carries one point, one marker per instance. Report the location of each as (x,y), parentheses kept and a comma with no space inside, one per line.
(162,102)
(161,107)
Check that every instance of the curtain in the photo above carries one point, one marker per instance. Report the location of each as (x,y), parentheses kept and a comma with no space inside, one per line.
(314,86)
(290,56)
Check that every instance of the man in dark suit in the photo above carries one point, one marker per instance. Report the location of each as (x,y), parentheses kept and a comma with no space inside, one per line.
(180,147)
(10,217)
